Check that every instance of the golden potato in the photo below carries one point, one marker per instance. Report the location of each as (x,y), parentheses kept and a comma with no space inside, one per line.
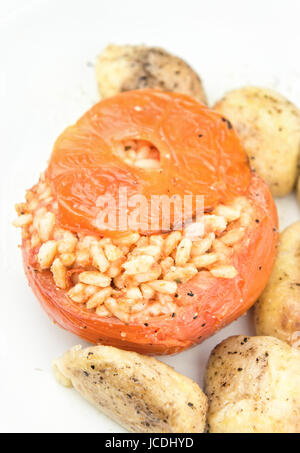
(269,127)
(277,313)
(139,392)
(124,68)
(253,386)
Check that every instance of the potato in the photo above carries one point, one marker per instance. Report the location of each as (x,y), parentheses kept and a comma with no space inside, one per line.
(269,127)
(253,386)
(124,68)
(277,313)
(139,392)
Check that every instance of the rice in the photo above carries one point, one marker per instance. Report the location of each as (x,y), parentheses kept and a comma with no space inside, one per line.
(132,277)
(138,153)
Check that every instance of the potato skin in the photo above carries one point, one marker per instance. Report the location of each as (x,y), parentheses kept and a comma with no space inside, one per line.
(124,68)
(253,386)
(139,392)
(277,312)
(269,127)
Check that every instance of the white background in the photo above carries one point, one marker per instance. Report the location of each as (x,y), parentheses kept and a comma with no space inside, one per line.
(47,81)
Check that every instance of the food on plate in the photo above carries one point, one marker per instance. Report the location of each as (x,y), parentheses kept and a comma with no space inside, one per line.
(148,289)
(269,127)
(253,386)
(124,68)
(277,313)
(139,392)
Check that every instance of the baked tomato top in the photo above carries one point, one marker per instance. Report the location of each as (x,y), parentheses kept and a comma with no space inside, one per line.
(200,154)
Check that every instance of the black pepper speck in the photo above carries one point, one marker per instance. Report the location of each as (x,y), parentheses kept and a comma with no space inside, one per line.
(225,120)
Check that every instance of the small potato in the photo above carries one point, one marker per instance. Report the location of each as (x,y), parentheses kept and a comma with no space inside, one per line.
(269,127)
(277,313)
(124,68)
(253,386)
(139,392)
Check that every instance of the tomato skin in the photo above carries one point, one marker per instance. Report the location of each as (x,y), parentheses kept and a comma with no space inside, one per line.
(200,154)
(216,301)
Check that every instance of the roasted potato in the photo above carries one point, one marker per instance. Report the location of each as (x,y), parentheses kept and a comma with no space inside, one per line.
(124,68)
(253,386)
(269,127)
(139,392)
(277,313)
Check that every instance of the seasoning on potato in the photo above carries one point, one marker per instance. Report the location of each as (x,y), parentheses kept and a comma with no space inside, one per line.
(269,127)
(124,68)
(277,313)
(253,386)
(139,392)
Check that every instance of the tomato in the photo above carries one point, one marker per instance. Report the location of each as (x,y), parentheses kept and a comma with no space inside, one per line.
(200,154)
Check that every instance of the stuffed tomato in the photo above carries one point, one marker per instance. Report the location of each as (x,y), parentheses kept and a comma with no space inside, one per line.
(142,281)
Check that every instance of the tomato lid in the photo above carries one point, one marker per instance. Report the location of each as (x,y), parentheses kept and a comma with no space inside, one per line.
(200,155)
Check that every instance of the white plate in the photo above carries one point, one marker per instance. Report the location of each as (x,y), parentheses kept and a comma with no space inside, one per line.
(46,82)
